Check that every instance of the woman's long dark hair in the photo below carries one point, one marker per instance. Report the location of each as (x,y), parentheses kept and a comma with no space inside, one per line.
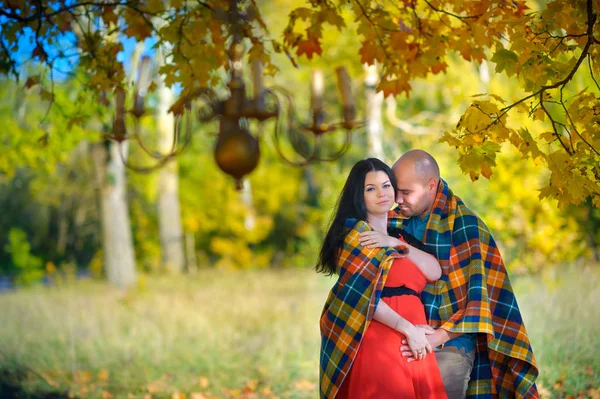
(351,204)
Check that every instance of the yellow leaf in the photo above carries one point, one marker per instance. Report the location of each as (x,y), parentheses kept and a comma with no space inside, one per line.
(103,375)
(486,170)
(333,18)
(304,385)
(203,382)
(539,115)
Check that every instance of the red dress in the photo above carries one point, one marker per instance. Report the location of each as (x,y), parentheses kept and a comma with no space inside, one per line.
(379,371)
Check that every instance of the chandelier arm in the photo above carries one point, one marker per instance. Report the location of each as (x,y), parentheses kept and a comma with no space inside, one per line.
(338,154)
(278,146)
(277,128)
(142,169)
(138,138)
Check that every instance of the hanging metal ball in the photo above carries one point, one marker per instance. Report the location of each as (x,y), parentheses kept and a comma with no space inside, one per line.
(237,153)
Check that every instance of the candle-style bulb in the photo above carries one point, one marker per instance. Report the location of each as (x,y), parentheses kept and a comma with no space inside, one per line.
(317,91)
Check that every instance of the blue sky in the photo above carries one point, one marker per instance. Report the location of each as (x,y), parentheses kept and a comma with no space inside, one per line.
(64,65)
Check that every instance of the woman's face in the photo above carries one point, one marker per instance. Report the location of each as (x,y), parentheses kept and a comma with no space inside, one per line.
(379,193)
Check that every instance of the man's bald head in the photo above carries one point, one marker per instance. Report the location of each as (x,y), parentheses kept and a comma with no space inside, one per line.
(419,162)
(417,176)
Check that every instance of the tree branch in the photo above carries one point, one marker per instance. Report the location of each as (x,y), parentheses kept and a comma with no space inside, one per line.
(460,17)
(554,123)
(379,39)
(584,53)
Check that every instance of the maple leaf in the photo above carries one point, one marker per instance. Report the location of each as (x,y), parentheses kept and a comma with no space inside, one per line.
(368,52)
(505,60)
(109,16)
(394,86)
(309,47)
(333,18)
(440,67)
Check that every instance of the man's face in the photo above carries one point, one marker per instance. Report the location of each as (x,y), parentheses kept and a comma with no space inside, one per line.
(414,195)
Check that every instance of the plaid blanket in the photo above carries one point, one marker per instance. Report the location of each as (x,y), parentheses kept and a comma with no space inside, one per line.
(351,305)
(474,295)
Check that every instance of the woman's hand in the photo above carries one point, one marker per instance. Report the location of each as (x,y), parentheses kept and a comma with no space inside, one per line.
(376,239)
(417,341)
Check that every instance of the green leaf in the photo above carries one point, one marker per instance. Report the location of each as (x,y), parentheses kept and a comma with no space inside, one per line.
(506,61)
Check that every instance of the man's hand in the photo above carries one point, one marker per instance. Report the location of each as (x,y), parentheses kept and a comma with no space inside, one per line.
(376,239)
(435,338)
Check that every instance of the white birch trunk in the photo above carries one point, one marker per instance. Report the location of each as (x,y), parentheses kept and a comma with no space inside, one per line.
(119,257)
(374,112)
(169,212)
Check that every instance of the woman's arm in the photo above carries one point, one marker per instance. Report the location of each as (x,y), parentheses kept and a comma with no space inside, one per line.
(415,335)
(428,264)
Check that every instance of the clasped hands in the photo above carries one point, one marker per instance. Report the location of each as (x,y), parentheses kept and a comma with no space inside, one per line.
(422,339)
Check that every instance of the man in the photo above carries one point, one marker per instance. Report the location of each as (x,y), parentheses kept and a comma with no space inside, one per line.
(482,347)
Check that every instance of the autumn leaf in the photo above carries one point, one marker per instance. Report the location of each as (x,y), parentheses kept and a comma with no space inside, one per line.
(203,382)
(309,47)
(332,17)
(32,81)
(368,52)
(109,16)
(304,385)
(394,87)
(505,60)
(103,375)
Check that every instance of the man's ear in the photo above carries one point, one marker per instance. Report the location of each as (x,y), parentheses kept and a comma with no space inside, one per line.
(432,185)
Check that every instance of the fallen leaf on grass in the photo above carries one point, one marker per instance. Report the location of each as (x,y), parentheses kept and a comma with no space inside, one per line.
(82,377)
(589,370)
(103,375)
(49,380)
(559,385)
(203,382)
(544,393)
(594,393)
(250,387)
(178,395)
(304,385)
(107,395)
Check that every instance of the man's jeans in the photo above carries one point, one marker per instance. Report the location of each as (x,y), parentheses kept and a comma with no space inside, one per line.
(455,366)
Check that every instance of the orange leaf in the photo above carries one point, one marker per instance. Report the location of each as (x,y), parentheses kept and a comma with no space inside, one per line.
(103,375)
(304,385)
(394,87)
(203,382)
(309,47)
(368,52)
(441,67)
(109,16)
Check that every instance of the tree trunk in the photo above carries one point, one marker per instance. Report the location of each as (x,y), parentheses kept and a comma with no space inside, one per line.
(190,247)
(247,200)
(169,213)
(119,257)
(374,108)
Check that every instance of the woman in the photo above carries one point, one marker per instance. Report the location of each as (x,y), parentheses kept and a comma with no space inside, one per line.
(374,304)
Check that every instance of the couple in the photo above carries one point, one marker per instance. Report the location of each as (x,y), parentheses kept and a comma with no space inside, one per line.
(423,307)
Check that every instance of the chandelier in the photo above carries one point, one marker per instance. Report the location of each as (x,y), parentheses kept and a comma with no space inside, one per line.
(237,149)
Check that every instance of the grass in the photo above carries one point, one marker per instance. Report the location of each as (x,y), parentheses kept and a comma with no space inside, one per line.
(243,334)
